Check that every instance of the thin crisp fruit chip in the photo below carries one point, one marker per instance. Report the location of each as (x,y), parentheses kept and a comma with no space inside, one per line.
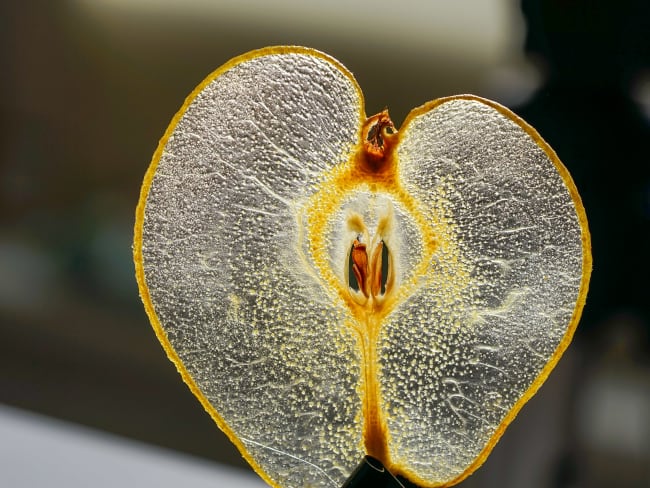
(329,286)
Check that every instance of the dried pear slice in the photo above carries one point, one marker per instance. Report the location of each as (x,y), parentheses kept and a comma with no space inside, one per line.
(329,287)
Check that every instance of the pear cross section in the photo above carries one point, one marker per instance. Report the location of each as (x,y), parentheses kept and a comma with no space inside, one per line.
(330,285)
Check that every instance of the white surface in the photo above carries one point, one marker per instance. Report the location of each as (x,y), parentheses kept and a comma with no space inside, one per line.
(38,451)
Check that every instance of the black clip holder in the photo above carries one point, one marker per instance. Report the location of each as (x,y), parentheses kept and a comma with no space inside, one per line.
(371,473)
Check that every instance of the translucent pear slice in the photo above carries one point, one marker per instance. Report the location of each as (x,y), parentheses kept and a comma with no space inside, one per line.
(500,300)
(256,196)
(221,271)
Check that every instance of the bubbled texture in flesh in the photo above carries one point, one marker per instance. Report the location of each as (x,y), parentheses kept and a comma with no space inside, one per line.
(498,295)
(221,261)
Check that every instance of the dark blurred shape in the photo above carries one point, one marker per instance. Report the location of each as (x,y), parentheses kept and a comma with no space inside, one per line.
(611,418)
(565,474)
(593,52)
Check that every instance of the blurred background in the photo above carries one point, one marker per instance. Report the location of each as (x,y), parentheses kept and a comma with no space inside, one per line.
(88,88)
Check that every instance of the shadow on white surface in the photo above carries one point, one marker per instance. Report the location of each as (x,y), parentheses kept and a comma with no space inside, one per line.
(40,451)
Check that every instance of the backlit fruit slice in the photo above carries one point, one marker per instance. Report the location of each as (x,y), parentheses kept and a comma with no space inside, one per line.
(330,287)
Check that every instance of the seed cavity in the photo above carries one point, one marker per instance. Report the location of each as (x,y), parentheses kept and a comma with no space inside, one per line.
(369,268)
(369,273)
